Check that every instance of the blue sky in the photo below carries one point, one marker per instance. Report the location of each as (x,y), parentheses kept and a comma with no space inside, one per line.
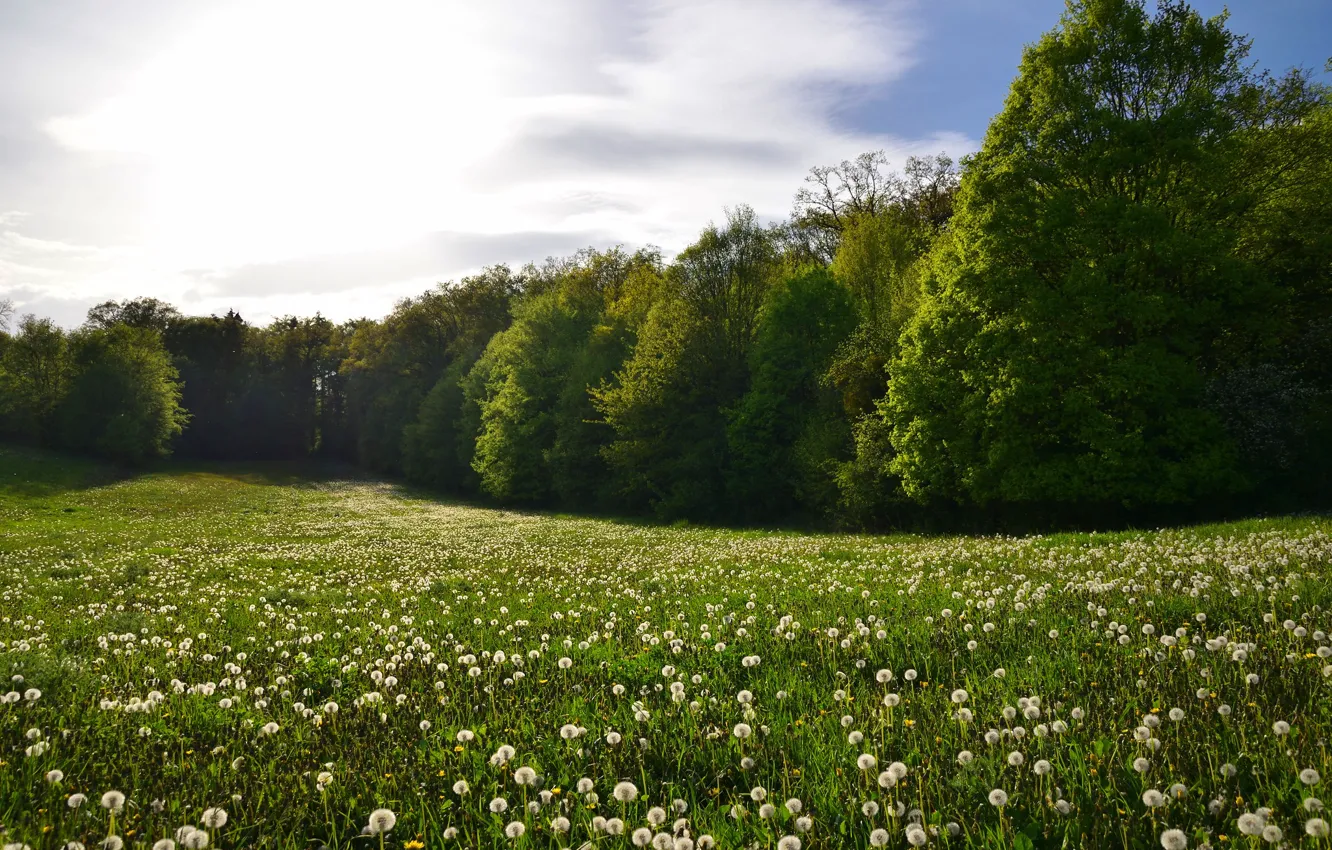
(293,156)
(968,53)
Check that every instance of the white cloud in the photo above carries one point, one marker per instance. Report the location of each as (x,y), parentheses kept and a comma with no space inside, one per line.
(280,134)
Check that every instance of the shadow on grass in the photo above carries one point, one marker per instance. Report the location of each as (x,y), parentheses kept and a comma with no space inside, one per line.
(36,473)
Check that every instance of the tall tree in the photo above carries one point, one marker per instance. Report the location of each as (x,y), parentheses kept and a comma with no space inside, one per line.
(1090,281)
(666,405)
(788,427)
(34,375)
(124,397)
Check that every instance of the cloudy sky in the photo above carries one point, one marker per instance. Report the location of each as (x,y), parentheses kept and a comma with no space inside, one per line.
(293,156)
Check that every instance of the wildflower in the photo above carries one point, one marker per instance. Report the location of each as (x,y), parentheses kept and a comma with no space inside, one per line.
(515,829)
(625,792)
(879,838)
(460,787)
(641,837)
(56,776)
(998,798)
(1250,824)
(1174,839)
(1152,798)
(742,731)
(76,800)
(499,805)
(788,842)
(524,776)
(381,821)
(1309,776)
(113,801)
(1316,827)
(215,818)
(866,762)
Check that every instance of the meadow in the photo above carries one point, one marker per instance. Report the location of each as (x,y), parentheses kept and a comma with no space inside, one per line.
(234,657)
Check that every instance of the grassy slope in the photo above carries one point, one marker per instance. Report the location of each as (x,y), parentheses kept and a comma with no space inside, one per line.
(251,557)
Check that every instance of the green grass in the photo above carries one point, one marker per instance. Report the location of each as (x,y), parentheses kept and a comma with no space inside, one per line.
(137,604)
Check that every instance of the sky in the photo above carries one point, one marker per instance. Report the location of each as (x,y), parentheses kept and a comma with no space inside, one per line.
(298,156)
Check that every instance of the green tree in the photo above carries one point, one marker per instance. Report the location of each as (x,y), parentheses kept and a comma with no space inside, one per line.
(788,429)
(1089,281)
(526,368)
(392,364)
(666,406)
(136,312)
(123,401)
(34,376)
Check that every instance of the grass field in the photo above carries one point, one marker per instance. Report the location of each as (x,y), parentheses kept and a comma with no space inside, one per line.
(256,658)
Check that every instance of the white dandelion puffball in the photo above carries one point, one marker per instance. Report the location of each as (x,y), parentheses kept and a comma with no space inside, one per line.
(524,776)
(641,837)
(1309,776)
(1316,828)
(76,800)
(1174,839)
(742,731)
(515,829)
(625,792)
(998,798)
(113,801)
(499,805)
(788,842)
(866,762)
(879,838)
(460,787)
(1151,798)
(214,818)
(381,821)
(1250,824)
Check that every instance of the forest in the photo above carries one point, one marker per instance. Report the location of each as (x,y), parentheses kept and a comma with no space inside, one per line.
(1118,310)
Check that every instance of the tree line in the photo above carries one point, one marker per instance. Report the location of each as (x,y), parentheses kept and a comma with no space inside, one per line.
(1120,307)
